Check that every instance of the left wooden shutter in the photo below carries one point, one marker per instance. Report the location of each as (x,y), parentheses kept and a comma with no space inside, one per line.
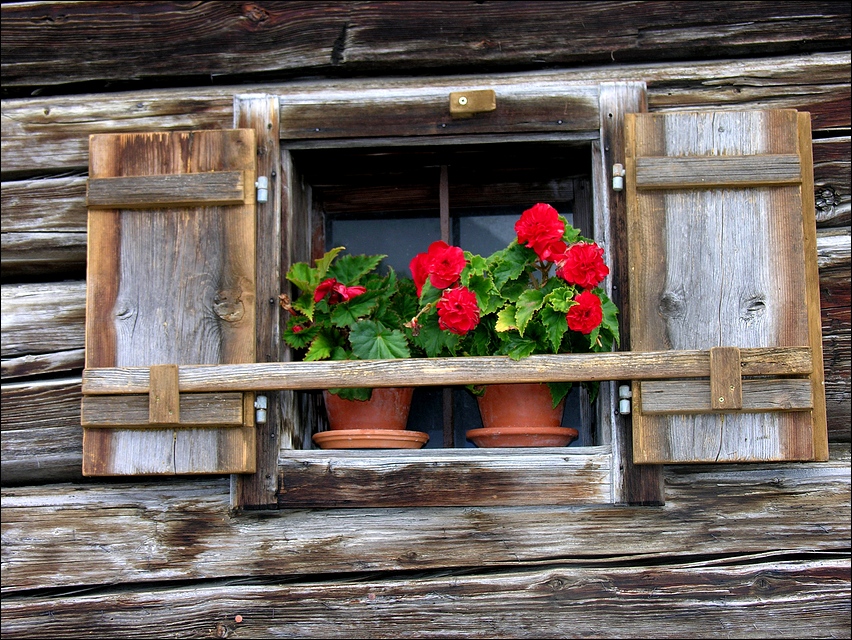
(170,281)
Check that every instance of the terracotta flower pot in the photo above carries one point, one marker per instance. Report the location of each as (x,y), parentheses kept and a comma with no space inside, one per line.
(520,415)
(386,409)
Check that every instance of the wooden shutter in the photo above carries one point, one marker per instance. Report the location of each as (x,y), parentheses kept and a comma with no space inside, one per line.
(170,281)
(722,255)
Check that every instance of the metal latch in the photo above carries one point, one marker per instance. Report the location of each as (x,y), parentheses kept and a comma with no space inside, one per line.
(260,404)
(624,395)
(464,104)
(618,174)
(262,186)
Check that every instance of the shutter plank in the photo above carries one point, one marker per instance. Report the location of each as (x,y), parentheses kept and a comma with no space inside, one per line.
(196,409)
(717,171)
(177,190)
(695,396)
(171,285)
(718,267)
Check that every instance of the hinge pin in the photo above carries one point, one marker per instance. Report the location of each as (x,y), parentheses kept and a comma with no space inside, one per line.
(260,404)
(262,186)
(618,174)
(624,395)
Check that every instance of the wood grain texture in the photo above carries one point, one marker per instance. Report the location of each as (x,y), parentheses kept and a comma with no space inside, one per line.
(195,409)
(46,134)
(447,371)
(718,267)
(177,190)
(196,305)
(755,597)
(445,478)
(42,317)
(696,396)
(178,529)
(91,41)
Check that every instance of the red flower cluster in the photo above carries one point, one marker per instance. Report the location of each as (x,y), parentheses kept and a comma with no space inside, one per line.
(337,290)
(442,264)
(583,265)
(458,310)
(540,229)
(587,314)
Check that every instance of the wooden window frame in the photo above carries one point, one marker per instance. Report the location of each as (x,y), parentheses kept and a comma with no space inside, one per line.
(300,478)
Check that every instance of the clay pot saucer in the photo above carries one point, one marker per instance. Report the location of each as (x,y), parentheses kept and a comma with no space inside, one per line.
(522,436)
(371,439)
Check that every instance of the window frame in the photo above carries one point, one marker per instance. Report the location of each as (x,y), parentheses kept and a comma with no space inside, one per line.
(281,465)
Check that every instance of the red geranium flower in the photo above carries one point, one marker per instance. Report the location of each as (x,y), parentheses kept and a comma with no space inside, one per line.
(583,265)
(587,314)
(540,229)
(339,292)
(458,310)
(442,264)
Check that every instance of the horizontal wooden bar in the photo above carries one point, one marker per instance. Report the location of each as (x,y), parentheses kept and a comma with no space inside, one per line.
(196,410)
(426,372)
(172,190)
(716,171)
(441,477)
(694,396)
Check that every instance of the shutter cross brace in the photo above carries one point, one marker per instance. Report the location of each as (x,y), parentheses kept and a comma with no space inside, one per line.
(726,383)
(164,396)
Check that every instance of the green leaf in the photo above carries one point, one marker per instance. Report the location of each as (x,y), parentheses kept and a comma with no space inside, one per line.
(572,234)
(529,302)
(518,347)
(305,305)
(433,340)
(506,319)
(373,341)
(487,297)
(304,277)
(353,393)
(350,313)
(300,339)
(558,391)
(610,315)
(555,325)
(324,263)
(561,299)
(348,269)
(509,263)
(322,347)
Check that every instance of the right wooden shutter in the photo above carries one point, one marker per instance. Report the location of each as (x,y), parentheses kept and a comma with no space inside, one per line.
(722,257)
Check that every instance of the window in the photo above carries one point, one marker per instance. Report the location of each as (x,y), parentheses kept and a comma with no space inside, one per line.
(338,160)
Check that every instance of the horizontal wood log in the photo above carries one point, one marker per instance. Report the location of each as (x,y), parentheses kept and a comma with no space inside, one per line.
(451,477)
(47,363)
(746,597)
(447,371)
(42,439)
(47,43)
(693,396)
(175,190)
(42,318)
(55,254)
(832,173)
(51,134)
(45,205)
(122,533)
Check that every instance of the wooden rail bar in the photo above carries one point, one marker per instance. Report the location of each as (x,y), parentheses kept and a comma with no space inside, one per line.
(575,367)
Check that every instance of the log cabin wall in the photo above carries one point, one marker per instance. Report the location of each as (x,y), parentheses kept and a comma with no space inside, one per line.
(737,550)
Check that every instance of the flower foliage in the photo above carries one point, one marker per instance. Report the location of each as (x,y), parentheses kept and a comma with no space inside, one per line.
(348,310)
(541,294)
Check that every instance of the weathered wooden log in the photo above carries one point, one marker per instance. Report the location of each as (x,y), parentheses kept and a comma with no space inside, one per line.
(42,439)
(41,364)
(47,43)
(752,597)
(51,134)
(120,533)
(42,318)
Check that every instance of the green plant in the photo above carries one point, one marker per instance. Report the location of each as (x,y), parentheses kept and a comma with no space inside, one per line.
(349,310)
(538,295)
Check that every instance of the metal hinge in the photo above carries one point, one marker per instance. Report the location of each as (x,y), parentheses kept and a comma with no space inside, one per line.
(262,186)
(618,174)
(260,405)
(624,395)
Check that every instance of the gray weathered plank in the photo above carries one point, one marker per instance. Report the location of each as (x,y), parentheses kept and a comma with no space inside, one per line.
(42,317)
(121,533)
(174,190)
(756,596)
(447,371)
(51,133)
